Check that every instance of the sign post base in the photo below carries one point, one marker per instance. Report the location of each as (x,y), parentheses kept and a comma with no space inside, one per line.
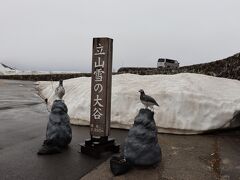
(97,145)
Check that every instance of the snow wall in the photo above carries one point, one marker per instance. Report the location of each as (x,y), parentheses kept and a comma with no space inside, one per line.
(189,103)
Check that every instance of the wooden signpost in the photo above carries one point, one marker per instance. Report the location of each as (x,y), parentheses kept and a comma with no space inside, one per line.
(100,112)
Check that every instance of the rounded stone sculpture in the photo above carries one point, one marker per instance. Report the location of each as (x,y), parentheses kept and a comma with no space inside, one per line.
(59,132)
(141,145)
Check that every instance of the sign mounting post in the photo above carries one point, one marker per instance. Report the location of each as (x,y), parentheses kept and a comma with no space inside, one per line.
(100,111)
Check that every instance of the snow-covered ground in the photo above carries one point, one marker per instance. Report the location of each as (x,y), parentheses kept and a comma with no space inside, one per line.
(189,103)
(5,70)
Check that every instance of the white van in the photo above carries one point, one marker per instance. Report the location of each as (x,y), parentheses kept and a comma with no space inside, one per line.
(162,62)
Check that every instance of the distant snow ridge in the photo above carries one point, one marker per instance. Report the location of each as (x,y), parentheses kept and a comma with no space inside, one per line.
(7,66)
(189,103)
(6,70)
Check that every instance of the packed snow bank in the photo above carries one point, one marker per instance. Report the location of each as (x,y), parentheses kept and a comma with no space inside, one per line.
(189,103)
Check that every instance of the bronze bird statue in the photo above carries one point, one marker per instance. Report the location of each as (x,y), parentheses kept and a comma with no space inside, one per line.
(147,100)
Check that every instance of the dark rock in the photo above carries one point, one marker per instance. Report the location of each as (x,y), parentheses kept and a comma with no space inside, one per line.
(141,145)
(119,165)
(48,149)
(226,68)
(59,132)
(235,121)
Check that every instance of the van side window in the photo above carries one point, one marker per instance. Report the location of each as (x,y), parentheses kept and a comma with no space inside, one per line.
(170,61)
(161,60)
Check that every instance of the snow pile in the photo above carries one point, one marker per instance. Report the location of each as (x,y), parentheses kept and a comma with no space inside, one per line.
(6,70)
(189,103)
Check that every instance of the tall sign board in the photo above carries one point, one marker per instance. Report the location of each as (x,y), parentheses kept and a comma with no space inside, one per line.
(101,86)
(100,112)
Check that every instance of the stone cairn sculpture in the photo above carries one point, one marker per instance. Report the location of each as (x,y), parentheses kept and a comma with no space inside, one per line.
(59,132)
(141,145)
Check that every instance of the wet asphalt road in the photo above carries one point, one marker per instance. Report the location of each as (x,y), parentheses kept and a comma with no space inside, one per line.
(23,121)
(214,156)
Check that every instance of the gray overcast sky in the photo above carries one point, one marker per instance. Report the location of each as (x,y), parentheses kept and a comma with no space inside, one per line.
(57,34)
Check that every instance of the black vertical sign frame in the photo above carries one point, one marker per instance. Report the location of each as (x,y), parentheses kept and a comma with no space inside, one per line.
(100,113)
